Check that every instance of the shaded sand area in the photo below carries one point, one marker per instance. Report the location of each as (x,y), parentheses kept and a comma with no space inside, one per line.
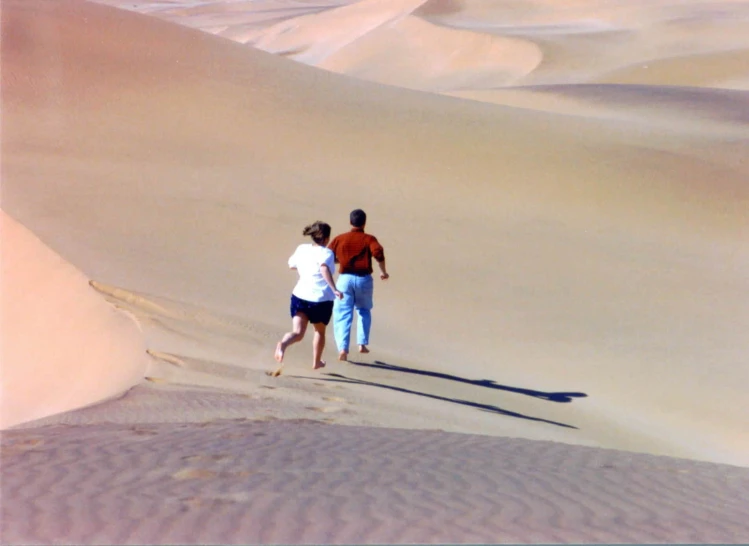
(559,356)
(286,482)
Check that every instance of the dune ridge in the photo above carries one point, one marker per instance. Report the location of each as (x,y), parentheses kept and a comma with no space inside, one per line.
(698,42)
(62,346)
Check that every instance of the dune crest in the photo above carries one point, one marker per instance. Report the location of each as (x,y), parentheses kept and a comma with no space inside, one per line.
(312,38)
(468,48)
(417,54)
(63,346)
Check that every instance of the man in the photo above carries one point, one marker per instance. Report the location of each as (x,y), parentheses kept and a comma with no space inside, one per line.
(353,253)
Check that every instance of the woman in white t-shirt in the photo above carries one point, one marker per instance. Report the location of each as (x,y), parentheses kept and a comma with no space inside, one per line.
(313,295)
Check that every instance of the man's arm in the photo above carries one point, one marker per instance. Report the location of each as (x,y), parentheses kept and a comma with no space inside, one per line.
(383,270)
(378,253)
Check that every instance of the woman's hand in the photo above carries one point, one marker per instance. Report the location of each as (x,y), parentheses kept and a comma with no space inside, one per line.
(338,294)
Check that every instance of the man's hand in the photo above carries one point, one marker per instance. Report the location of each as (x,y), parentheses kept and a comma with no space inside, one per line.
(384,276)
(338,294)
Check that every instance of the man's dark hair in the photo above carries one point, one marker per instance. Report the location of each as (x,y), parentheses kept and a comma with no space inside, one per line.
(358,218)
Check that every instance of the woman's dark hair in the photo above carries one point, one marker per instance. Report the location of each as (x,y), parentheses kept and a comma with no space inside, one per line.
(319,231)
(358,218)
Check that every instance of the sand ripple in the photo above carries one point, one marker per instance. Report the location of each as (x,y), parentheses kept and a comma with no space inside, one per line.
(250,482)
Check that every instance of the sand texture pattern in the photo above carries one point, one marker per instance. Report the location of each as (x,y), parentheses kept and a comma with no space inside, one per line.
(560,354)
(294,482)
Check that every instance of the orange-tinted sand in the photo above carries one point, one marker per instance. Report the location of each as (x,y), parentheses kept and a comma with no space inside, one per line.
(561,190)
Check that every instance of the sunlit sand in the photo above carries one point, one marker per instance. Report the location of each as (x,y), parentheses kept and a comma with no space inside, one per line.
(561,191)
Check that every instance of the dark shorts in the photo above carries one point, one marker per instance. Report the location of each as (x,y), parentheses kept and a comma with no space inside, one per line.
(316,311)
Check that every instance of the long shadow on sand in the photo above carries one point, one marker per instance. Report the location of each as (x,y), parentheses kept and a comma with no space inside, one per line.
(484,407)
(488,383)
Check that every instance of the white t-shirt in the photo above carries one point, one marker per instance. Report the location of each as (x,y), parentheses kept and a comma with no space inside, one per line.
(311,285)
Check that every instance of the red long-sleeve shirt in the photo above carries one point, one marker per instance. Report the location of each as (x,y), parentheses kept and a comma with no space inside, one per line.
(354,251)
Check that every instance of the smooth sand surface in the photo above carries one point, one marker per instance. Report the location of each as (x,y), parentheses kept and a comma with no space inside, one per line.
(50,315)
(560,354)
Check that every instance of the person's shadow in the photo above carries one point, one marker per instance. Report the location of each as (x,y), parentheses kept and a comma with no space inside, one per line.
(488,383)
(491,408)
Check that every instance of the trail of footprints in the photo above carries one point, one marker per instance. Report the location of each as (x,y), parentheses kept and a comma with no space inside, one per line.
(171,314)
(159,309)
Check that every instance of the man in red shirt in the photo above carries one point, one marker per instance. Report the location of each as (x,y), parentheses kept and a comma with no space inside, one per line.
(353,253)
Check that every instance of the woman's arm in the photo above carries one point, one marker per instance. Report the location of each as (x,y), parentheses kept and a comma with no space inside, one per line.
(329,279)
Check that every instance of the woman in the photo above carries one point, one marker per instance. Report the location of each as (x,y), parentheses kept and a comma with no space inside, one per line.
(314,293)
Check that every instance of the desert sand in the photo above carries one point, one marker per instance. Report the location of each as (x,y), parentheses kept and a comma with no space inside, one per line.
(561,190)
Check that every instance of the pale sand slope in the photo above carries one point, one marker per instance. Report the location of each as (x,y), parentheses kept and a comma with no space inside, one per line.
(555,277)
(540,252)
(62,345)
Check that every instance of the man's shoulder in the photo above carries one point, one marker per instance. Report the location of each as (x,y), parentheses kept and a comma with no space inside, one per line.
(347,236)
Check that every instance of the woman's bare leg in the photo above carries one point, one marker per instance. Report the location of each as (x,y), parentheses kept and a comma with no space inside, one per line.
(299,327)
(318,345)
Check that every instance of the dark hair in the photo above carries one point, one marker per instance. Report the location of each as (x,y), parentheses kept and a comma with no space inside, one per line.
(319,231)
(358,218)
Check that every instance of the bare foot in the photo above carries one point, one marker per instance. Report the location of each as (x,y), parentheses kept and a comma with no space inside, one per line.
(343,356)
(279,352)
(363,349)
(318,365)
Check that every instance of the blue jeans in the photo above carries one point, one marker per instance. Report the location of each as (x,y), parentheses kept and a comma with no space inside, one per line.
(357,294)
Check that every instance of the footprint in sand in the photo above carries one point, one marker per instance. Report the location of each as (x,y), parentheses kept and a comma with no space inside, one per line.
(191,502)
(326,409)
(193,458)
(143,431)
(335,399)
(230,498)
(233,435)
(22,446)
(193,474)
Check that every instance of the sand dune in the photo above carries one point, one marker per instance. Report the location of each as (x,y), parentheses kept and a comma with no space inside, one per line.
(568,258)
(695,42)
(62,346)
(312,38)
(434,58)
(193,151)
(379,41)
